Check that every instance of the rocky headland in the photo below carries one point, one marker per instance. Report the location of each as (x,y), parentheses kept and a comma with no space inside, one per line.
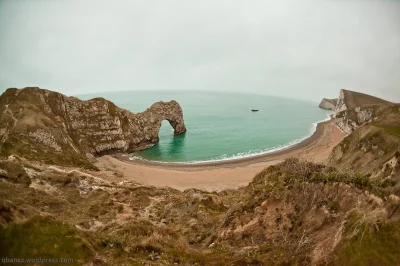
(354,109)
(342,212)
(55,129)
(372,126)
(328,104)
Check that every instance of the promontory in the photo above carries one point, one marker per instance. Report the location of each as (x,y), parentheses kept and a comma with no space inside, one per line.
(51,127)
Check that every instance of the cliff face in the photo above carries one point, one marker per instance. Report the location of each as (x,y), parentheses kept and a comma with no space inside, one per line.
(372,150)
(373,144)
(328,104)
(354,109)
(54,128)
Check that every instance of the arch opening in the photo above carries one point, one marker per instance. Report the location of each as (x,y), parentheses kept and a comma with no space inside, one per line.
(166,130)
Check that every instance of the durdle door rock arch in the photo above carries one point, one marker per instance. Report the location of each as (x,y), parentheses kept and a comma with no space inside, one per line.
(46,125)
(160,111)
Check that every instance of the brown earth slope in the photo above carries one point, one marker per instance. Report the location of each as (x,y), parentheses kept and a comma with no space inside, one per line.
(373,147)
(354,99)
(295,213)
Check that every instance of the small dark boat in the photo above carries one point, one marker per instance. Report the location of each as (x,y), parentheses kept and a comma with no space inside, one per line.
(255,110)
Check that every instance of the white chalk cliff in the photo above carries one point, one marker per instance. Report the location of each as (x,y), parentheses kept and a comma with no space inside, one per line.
(354,109)
(328,104)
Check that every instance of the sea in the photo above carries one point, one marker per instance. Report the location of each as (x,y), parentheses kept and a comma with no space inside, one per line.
(221,126)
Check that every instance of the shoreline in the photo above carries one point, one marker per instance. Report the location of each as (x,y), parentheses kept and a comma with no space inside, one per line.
(229,162)
(217,161)
(221,175)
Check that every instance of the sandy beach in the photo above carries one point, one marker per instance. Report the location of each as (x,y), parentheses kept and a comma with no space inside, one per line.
(216,176)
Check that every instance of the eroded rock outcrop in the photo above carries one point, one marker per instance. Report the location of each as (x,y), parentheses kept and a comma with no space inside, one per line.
(373,142)
(354,109)
(51,127)
(328,104)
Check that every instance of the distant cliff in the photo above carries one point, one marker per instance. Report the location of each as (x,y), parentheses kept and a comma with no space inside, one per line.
(53,128)
(354,109)
(373,142)
(328,104)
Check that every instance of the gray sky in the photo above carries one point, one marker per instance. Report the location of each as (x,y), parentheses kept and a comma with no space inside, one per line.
(300,49)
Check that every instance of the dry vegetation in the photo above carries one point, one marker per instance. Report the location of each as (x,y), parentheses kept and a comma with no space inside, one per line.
(372,149)
(295,213)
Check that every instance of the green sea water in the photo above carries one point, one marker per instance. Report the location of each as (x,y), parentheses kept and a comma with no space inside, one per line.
(221,126)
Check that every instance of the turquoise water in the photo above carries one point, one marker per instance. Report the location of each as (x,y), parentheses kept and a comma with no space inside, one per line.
(221,126)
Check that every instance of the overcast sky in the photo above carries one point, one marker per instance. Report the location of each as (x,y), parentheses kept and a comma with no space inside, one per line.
(300,49)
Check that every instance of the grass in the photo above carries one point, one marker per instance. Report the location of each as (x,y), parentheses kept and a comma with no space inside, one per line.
(15,172)
(358,180)
(43,237)
(392,130)
(23,147)
(295,170)
(372,245)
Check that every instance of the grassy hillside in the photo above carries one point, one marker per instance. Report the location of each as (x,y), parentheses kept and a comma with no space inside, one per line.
(295,213)
(373,148)
(355,99)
